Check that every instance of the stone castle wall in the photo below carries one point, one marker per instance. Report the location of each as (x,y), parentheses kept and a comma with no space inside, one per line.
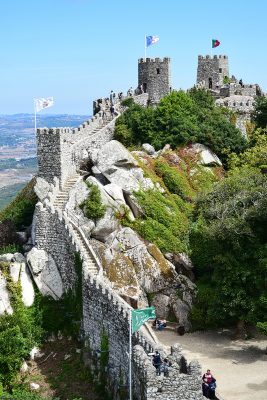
(52,235)
(104,311)
(236,89)
(60,150)
(154,76)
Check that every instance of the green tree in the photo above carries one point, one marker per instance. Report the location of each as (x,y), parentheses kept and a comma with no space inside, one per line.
(255,155)
(260,112)
(233,231)
(179,119)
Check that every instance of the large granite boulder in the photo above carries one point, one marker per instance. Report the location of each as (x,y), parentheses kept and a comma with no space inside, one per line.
(148,148)
(117,164)
(42,188)
(19,271)
(206,156)
(5,305)
(45,273)
(16,268)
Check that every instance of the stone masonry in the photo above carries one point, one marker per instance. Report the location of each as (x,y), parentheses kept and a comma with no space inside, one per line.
(231,93)
(212,68)
(154,76)
(60,152)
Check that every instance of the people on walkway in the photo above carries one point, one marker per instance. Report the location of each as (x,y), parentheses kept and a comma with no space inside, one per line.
(208,385)
(111,97)
(130,92)
(157,362)
(164,368)
(112,110)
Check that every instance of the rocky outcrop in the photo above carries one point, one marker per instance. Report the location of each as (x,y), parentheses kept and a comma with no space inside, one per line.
(42,188)
(206,156)
(45,273)
(118,166)
(139,272)
(148,148)
(14,267)
(5,305)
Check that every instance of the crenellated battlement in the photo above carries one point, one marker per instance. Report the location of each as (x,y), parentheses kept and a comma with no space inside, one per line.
(154,60)
(214,57)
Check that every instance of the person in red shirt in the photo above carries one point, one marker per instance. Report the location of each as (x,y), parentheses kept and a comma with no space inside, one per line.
(207,379)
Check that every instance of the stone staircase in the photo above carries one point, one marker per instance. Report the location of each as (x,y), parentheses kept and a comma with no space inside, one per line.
(63,195)
(79,238)
(85,253)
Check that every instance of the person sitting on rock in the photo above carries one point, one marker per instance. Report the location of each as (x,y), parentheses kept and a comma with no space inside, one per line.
(161,324)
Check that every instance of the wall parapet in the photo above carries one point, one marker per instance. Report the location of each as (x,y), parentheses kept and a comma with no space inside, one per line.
(154,60)
(215,57)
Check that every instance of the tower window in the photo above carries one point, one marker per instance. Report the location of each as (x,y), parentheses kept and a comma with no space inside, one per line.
(158,71)
(220,70)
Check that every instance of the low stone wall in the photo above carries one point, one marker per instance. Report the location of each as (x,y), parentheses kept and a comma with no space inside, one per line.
(182,383)
(52,235)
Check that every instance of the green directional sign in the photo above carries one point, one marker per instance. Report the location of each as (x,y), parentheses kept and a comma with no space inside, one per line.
(139,317)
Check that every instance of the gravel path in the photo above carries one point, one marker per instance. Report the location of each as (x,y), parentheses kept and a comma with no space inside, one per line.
(239,366)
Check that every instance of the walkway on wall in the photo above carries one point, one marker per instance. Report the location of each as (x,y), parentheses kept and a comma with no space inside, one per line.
(82,243)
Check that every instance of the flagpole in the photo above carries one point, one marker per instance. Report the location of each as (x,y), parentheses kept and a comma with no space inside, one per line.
(35,122)
(145,47)
(130,355)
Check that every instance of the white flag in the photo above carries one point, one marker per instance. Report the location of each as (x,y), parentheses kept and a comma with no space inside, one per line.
(40,104)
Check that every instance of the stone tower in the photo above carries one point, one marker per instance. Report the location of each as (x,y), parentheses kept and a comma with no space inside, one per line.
(154,76)
(212,70)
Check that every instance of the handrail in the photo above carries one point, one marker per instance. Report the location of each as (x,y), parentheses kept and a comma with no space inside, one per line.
(89,247)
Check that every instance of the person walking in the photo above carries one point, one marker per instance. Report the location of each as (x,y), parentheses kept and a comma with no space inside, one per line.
(112,111)
(157,362)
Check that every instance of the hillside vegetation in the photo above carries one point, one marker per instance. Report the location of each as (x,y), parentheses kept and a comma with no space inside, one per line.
(181,118)
(221,223)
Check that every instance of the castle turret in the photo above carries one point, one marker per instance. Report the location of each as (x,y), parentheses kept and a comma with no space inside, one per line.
(154,76)
(211,71)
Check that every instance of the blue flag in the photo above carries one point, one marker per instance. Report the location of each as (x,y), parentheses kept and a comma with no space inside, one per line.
(151,40)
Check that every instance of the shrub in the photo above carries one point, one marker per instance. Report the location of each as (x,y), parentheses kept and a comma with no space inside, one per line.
(123,134)
(200,315)
(19,332)
(128,102)
(21,209)
(175,181)
(8,234)
(157,233)
(92,206)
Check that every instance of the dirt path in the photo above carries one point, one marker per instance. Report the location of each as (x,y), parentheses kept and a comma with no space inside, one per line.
(239,366)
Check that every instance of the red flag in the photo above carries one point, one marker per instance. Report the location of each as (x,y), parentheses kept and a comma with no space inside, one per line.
(215,43)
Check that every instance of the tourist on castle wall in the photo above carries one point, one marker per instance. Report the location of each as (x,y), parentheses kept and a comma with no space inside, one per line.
(112,111)
(157,362)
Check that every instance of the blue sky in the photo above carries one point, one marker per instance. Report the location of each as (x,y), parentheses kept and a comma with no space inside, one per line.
(78,50)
